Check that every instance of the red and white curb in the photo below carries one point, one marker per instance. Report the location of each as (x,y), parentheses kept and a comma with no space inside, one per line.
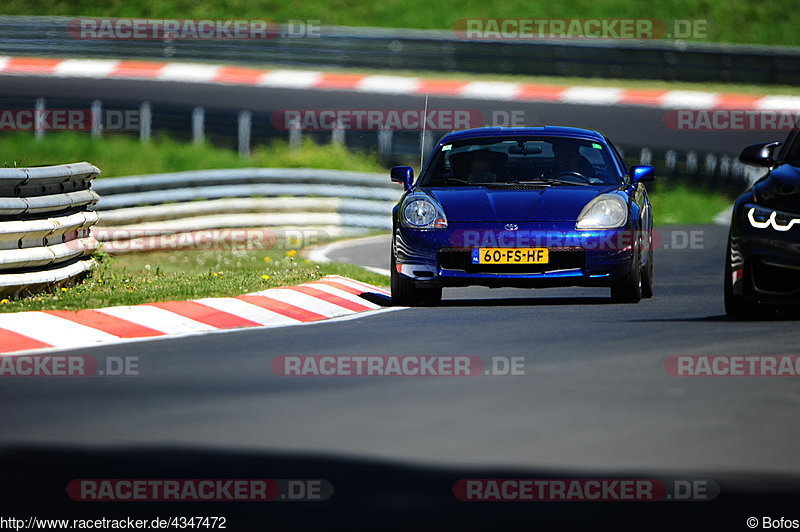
(383,84)
(332,296)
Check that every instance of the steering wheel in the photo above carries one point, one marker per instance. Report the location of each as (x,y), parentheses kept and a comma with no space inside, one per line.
(572,174)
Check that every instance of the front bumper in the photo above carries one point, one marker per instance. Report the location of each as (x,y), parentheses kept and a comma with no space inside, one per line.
(577,258)
(765,265)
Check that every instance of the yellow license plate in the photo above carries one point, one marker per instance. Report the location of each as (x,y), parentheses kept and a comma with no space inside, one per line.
(510,256)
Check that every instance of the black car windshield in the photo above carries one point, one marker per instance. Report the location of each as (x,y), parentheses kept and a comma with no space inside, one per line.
(522,160)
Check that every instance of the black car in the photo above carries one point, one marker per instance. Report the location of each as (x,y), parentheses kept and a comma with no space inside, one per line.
(762,267)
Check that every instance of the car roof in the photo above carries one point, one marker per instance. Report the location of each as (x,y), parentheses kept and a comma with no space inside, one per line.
(497,131)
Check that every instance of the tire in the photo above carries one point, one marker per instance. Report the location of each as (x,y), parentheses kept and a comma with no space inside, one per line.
(736,306)
(405,292)
(628,289)
(647,275)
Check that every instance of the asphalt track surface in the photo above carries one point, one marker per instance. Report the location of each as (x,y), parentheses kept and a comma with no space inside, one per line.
(595,398)
(626,126)
(597,393)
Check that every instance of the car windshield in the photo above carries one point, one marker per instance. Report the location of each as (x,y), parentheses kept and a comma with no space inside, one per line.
(522,160)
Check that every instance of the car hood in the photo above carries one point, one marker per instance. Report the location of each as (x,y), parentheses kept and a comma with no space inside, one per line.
(780,190)
(551,204)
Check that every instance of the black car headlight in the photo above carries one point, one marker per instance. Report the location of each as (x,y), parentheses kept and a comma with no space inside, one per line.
(763,218)
(420,211)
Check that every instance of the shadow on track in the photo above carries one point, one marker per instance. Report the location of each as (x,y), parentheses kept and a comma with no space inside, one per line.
(527,301)
(367,494)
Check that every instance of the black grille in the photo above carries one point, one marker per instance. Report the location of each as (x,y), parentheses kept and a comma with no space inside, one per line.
(560,259)
(775,278)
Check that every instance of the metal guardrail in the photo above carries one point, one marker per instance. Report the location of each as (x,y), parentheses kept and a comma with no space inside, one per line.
(380,48)
(45,221)
(139,212)
(721,172)
(718,172)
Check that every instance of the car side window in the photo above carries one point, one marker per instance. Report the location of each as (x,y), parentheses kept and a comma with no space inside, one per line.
(596,159)
(593,155)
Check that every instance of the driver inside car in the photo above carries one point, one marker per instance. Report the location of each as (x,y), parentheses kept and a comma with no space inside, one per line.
(484,165)
(568,159)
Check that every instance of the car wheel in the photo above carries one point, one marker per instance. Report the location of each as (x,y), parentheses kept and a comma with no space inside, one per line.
(647,275)
(737,306)
(405,292)
(628,289)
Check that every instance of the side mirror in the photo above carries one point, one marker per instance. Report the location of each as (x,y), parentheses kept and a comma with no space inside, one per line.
(642,174)
(403,174)
(759,154)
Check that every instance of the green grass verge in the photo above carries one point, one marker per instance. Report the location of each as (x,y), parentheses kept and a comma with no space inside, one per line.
(180,275)
(682,205)
(736,22)
(118,155)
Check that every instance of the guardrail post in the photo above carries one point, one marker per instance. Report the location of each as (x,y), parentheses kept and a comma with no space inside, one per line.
(145,121)
(295,135)
(671,162)
(710,163)
(645,156)
(691,164)
(725,163)
(97,118)
(198,124)
(39,111)
(337,134)
(384,144)
(245,123)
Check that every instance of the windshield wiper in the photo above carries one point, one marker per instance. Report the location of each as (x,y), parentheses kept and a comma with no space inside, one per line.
(448,180)
(552,182)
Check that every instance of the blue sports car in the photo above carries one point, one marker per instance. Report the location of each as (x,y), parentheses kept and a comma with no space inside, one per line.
(524,207)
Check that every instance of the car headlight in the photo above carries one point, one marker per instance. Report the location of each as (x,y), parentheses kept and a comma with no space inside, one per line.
(763,217)
(606,211)
(420,211)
